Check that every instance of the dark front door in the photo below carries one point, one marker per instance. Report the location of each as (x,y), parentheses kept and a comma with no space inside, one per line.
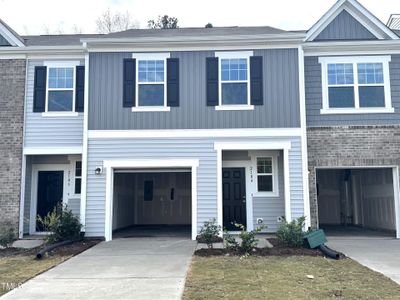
(234,197)
(50,192)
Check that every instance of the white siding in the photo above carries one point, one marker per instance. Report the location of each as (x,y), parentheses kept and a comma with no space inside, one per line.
(189,148)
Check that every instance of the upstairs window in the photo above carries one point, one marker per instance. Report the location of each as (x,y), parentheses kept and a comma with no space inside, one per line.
(151,83)
(61,87)
(60,91)
(356,85)
(234,80)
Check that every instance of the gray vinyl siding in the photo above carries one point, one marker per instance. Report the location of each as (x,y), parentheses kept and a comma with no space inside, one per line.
(281,95)
(74,204)
(187,148)
(345,27)
(49,131)
(313,87)
(3,42)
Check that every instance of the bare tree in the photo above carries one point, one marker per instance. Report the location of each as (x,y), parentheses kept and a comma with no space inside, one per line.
(163,22)
(111,22)
(76,29)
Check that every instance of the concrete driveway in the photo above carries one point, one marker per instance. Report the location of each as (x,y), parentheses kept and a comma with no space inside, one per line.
(132,268)
(381,254)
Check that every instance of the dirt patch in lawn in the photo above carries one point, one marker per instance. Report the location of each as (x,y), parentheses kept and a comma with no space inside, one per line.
(18,265)
(285,277)
(278,250)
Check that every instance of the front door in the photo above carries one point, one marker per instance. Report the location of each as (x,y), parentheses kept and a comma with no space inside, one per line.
(234,197)
(49,193)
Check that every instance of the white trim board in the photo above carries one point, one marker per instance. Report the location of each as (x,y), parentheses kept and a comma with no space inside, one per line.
(356,10)
(52,150)
(195,133)
(10,37)
(111,165)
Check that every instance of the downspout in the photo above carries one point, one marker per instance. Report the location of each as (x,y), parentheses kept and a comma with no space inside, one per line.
(85,142)
(304,150)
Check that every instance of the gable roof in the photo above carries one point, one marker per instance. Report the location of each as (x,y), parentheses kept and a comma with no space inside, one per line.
(10,35)
(359,13)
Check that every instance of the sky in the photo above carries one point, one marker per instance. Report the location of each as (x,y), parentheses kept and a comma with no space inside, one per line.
(69,16)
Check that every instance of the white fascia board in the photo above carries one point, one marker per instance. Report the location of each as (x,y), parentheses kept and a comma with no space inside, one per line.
(10,37)
(150,163)
(197,39)
(195,133)
(52,150)
(245,145)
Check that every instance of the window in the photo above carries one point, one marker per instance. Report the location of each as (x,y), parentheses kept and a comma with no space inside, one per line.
(78,178)
(356,85)
(264,174)
(60,96)
(151,83)
(234,74)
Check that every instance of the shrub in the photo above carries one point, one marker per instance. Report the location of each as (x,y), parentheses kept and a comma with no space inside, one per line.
(7,235)
(248,239)
(209,232)
(291,233)
(62,224)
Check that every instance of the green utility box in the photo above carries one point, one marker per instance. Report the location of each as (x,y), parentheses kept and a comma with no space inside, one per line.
(315,238)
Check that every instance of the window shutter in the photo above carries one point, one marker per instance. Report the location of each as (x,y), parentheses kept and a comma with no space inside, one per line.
(39,92)
(80,88)
(256,80)
(173,82)
(212,81)
(129,82)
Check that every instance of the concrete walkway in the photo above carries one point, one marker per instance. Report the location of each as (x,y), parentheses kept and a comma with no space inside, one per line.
(381,254)
(132,268)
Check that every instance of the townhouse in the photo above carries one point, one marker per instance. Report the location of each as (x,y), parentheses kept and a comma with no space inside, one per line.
(166,129)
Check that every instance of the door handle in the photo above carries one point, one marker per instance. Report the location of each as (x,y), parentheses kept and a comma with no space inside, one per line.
(244,199)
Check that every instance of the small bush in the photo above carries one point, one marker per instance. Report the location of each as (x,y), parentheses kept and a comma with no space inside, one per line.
(209,232)
(62,224)
(7,235)
(248,239)
(291,233)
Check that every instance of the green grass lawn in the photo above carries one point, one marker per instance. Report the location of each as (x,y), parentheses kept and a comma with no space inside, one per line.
(285,278)
(15,270)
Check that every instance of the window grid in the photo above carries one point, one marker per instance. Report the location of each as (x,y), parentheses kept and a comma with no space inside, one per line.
(356,84)
(238,81)
(265,163)
(78,177)
(140,70)
(60,89)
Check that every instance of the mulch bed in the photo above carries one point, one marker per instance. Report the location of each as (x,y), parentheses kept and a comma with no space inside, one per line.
(68,250)
(277,250)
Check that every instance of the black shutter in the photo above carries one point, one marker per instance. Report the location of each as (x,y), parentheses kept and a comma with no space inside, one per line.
(80,89)
(172,82)
(129,82)
(256,80)
(212,81)
(39,92)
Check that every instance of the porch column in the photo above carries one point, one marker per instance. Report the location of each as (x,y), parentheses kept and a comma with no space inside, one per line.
(286,176)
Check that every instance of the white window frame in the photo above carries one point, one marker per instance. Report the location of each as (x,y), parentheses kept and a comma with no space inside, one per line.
(255,155)
(355,60)
(150,56)
(233,55)
(76,177)
(60,64)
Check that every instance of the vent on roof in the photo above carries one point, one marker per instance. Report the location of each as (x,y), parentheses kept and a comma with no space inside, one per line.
(394,22)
